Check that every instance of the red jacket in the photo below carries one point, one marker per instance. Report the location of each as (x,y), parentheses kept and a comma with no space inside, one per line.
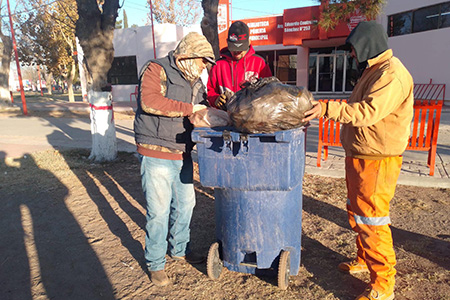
(229,74)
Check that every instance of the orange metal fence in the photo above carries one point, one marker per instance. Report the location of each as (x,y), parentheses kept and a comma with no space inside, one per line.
(135,94)
(429,99)
(429,91)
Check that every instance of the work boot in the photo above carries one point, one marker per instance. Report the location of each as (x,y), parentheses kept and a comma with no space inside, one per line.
(371,294)
(353,267)
(191,258)
(159,278)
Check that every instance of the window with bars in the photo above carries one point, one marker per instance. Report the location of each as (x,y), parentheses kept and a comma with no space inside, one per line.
(123,71)
(422,19)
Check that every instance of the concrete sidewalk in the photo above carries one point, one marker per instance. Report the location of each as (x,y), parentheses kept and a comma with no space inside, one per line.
(414,170)
(48,104)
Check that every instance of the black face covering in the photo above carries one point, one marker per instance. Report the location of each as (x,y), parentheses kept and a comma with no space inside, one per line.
(361,67)
(369,39)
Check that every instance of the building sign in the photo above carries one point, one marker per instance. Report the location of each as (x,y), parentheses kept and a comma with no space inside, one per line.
(292,28)
(354,20)
(343,28)
(222,18)
(223,22)
(265,31)
(300,24)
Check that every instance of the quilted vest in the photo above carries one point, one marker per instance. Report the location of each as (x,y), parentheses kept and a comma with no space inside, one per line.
(172,133)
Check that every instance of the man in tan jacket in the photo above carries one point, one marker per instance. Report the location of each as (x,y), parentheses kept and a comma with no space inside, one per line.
(377,119)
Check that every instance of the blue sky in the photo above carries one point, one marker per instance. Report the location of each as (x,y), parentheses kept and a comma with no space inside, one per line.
(137,10)
(242,9)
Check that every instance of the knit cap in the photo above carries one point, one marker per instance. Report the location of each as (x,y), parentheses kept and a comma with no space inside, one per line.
(194,45)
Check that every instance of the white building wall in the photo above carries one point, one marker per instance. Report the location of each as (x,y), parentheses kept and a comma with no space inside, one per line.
(425,54)
(139,42)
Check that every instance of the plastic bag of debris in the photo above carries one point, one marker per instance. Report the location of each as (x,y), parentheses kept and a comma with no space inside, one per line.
(210,117)
(268,105)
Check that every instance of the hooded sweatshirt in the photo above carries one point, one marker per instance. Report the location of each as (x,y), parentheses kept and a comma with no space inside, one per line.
(229,75)
(167,94)
(377,116)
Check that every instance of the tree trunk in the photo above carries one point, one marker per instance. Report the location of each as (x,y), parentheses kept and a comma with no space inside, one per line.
(209,24)
(5,96)
(95,32)
(104,142)
(70,79)
(81,70)
(49,82)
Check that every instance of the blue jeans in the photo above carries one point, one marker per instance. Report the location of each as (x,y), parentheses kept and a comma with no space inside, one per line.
(169,191)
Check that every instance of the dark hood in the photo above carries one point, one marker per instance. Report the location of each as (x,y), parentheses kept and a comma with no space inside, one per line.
(369,40)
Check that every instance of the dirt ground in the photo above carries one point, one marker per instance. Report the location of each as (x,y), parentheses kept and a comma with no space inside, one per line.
(72,229)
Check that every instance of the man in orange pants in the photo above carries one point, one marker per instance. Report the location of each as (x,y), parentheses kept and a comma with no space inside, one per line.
(377,119)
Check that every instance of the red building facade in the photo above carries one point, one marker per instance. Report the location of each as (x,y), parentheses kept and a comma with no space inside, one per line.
(298,51)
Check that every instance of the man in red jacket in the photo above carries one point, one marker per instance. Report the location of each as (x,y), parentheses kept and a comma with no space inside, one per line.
(238,64)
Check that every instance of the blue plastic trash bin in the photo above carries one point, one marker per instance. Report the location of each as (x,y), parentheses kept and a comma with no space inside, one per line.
(258,198)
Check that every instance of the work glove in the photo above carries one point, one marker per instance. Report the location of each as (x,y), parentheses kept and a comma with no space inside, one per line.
(221,102)
(197,107)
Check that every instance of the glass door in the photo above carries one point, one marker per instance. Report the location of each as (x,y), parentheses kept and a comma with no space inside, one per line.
(312,74)
(325,70)
(339,73)
(351,74)
(282,63)
(331,71)
(286,66)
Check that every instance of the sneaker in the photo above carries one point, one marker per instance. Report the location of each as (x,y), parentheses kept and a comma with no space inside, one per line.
(353,267)
(159,278)
(191,258)
(371,294)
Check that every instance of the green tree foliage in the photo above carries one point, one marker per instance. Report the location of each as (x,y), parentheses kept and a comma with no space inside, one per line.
(122,23)
(334,11)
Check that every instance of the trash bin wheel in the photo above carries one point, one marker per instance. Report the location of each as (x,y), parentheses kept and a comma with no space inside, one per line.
(284,269)
(214,263)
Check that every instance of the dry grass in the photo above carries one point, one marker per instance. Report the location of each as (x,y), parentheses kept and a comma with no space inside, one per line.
(73,229)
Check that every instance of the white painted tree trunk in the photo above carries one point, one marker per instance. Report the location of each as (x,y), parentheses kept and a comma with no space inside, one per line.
(81,70)
(5,96)
(104,143)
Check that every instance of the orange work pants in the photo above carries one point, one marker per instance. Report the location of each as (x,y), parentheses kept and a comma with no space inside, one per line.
(370,187)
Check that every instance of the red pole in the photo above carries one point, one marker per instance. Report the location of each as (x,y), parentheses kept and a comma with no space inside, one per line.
(40,82)
(153,28)
(24,103)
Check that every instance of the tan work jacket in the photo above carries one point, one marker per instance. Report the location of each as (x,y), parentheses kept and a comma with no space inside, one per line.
(377,117)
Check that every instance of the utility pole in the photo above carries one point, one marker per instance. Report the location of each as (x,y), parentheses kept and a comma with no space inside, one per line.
(40,81)
(19,74)
(153,28)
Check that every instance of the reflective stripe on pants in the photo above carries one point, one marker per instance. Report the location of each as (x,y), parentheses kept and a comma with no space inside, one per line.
(370,187)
